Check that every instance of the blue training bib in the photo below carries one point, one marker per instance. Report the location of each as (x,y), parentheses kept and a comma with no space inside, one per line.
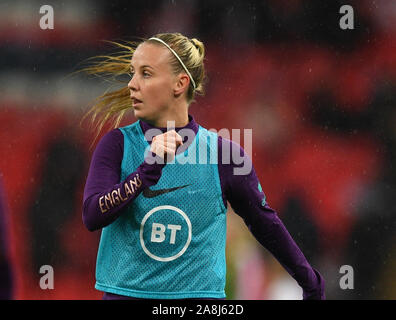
(168,245)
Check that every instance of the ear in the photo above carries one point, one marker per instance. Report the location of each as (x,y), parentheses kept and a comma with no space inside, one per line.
(182,83)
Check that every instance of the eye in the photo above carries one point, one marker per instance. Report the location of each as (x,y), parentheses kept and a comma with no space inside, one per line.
(145,74)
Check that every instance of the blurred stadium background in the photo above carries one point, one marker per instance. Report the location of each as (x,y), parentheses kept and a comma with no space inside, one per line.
(321,102)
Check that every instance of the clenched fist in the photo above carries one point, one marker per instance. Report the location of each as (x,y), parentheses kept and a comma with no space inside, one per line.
(165,145)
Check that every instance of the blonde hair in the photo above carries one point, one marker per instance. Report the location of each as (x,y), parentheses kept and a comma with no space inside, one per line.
(111,106)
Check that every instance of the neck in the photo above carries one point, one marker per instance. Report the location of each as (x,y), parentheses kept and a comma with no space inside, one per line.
(177,119)
(144,125)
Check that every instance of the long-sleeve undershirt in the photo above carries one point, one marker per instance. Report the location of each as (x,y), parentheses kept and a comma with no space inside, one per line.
(242,192)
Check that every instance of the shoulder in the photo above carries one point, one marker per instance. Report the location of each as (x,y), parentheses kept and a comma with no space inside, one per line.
(233,158)
(228,143)
(112,137)
(112,141)
(223,143)
(231,148)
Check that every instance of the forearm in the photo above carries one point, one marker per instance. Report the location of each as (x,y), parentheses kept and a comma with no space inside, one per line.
(102,208)
(270,232)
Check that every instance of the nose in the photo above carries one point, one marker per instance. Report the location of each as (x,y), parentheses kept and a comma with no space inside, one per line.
(132,85)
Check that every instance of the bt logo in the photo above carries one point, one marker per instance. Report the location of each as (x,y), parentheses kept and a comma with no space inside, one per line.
(165,241)
(158,232)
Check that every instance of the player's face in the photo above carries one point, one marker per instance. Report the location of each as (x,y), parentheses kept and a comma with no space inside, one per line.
(152,81)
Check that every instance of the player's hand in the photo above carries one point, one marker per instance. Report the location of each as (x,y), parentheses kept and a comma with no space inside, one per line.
(165,145)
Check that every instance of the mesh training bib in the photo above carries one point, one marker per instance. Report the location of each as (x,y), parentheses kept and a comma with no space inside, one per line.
(168,244)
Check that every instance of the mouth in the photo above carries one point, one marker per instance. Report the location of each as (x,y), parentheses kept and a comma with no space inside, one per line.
(135,101)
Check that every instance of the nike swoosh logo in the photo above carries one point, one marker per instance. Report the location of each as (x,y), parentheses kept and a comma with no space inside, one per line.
(148,193)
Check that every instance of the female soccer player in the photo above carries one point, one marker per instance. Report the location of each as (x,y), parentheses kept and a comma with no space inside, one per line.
(160,201)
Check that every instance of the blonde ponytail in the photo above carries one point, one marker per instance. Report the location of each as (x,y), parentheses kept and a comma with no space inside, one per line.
(111,106)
